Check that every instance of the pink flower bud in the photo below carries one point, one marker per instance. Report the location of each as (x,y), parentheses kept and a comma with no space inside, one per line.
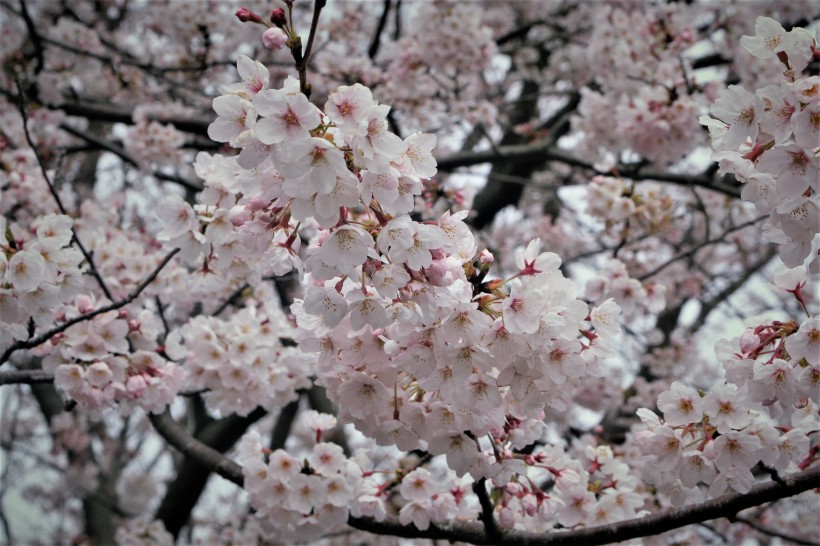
(506,518)
(256,204)
(749,341)
(436,274)
(438,254)
(274,38)
(135,386)
(278,17)
(239,215)
(245,15)
(84,303)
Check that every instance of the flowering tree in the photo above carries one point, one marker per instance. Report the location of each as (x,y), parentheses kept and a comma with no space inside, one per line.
(432,270)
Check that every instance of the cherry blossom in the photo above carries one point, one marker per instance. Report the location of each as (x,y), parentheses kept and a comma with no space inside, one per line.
(499,270)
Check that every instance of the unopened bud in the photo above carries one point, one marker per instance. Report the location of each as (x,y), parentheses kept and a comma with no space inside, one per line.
(256,204)
(274,38)
(245,15)
(278,17)
(485,257)
(239,215)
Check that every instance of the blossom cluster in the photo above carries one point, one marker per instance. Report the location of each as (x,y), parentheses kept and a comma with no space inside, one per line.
(523,345)
(111,359)
(769,140)
(299,499)
(241,363)
(641,70)
(657,124)
(305,497)
(633,297)
(400,314)
(586,485)
(151,143)
(615,200)
(438,70)
(763,413)
(39,271)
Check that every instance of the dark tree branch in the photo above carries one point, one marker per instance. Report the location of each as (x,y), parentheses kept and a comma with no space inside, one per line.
(545,150)
(302,59)
(45,336)
(373,50)
(281,430)
(487,509)
(189,446)
(776,534)
(707,306)
(100,111)
(713,59)
(27,377)
(660,522)
(36,39)
(125,156)
(99,506)
(694,249)
(667,520)
(519,33)
(496,194)
(203,454)
(231,300)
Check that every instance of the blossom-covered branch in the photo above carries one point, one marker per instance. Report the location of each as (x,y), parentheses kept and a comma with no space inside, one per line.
(725,506)
(48,334)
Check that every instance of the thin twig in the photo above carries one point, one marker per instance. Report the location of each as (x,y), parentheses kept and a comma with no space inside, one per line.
(161,312)
(45,336)
(36,38)
(76,240)
(230,300)
(776,534)
(704,244)
(302,59)
(125,156)
(547,151)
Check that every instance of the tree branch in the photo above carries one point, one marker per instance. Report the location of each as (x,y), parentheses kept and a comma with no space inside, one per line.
(302,59)
(186,488)
(667,520)
(45,336)
(26,377)
(125,156)
(660,522)
(100,111)
(373,50)
(546,151)
(487,509)
(776,534)
(694,249)
(205,455)
(41,162)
